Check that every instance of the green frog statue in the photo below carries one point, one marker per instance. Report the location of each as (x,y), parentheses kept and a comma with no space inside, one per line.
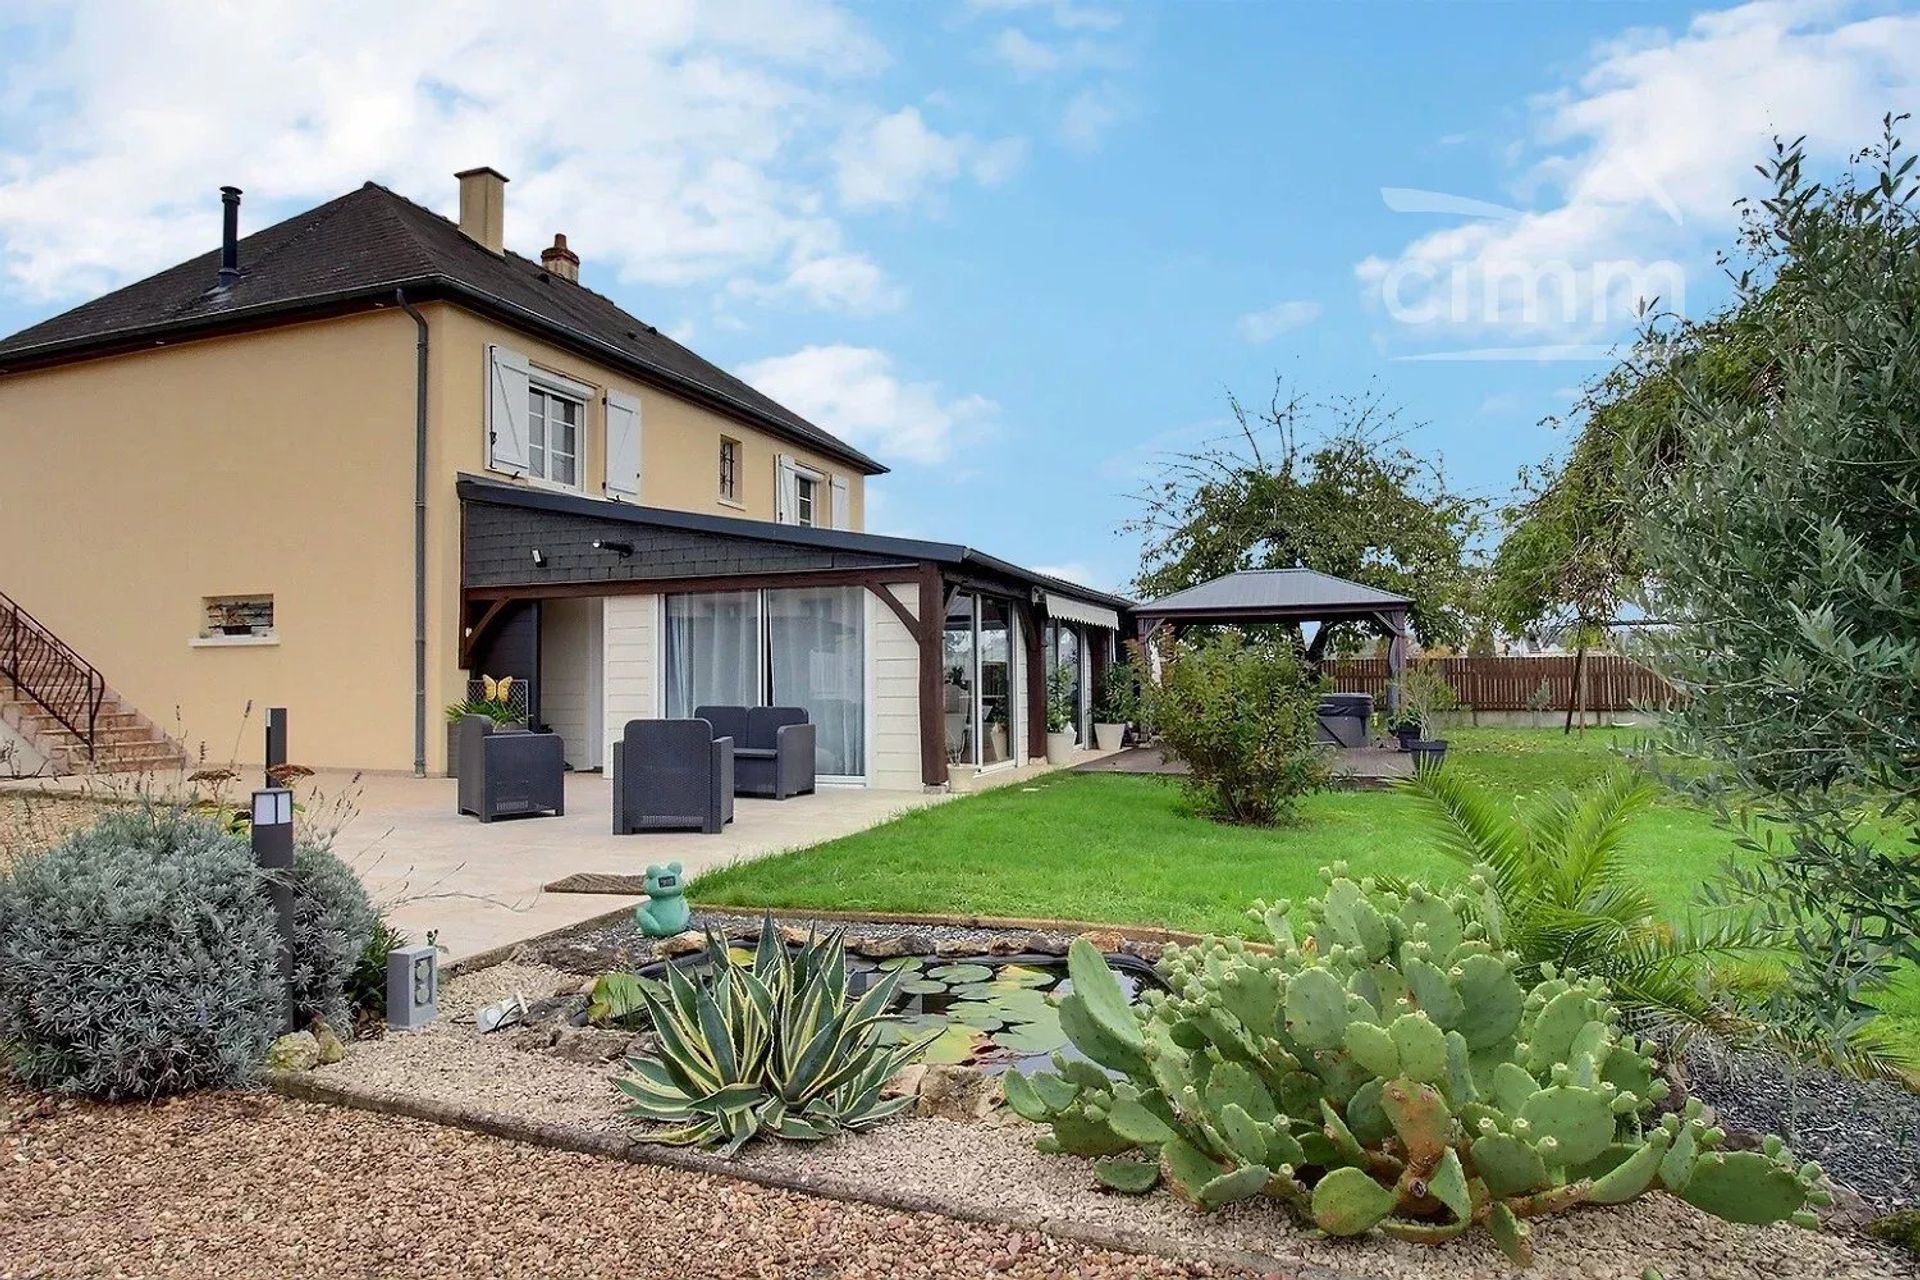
(665,912)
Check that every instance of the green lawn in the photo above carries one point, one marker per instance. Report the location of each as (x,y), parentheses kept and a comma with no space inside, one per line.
(1105,847)
(1126,850)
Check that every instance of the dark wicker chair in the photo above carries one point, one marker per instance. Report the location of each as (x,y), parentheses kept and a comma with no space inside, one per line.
(672,775)
(509,772)
(773,748)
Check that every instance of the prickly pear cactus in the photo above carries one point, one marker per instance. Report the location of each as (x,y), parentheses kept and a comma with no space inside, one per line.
(1389,1074)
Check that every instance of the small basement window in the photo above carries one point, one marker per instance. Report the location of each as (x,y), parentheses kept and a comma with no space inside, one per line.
(238,617)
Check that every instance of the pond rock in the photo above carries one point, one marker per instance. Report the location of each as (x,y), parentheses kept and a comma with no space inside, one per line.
(1045,944)
(947,948)
(905,1083)
(683,944)
(957,1093)
(1107,941)
(889,945)
(1148,951)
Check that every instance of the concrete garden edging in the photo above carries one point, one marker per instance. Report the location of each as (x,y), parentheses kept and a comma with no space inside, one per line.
(304,1087)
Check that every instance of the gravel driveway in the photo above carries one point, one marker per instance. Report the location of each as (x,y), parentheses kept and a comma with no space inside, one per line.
(223,1185)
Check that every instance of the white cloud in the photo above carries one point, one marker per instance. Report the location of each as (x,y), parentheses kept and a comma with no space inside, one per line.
(897,159)
(855,393)
(1284,317)
(1065,14)
(1635,165)
(849,282)
(669,141)
(1089,114)
(1023,53)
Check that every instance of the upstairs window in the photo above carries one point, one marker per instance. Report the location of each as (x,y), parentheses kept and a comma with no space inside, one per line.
(553,436)
(806,500)
(729,469)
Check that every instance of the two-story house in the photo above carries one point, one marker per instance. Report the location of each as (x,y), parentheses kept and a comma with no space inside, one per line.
(350,463)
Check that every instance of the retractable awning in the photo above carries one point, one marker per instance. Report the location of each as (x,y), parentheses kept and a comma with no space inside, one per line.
(1067,609)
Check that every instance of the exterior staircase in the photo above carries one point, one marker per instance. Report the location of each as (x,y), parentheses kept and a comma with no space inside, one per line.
(70,721)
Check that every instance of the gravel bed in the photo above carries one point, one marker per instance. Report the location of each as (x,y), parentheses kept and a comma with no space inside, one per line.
(980,1167)
(221,1185)
(1865,1134)
(29,822)
(622,946)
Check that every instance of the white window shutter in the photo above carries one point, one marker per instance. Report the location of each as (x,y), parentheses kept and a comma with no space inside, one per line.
(786,490)
(507,376)
(623,447)
(842,505)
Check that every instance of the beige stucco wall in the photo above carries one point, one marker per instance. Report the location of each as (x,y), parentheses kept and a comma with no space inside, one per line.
(133,487)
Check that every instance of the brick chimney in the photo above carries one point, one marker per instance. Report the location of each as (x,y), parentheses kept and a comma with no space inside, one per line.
(483,207)
(560,260)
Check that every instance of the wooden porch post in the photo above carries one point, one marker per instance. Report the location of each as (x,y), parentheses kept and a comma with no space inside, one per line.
(1036,665)
(933,720)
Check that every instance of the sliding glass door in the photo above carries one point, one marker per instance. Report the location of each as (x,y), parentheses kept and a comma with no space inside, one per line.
(1064,647)
(789,647)
(979,694)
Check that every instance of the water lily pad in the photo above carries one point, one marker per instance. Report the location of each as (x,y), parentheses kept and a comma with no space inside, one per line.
(974,1014)
(923,987)
(978,991)
(1033,1037)
(1020,975)
(959,973)
(1019,1005)
(902,962)
(954,1045)
(740,955)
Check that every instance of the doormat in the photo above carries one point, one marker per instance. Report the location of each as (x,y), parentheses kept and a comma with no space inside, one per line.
(592,882)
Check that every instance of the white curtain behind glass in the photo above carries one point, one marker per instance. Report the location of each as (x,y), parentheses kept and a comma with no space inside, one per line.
(712,651)
(817,648)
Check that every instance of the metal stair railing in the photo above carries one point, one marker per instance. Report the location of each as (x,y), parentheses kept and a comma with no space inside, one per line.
(45,668)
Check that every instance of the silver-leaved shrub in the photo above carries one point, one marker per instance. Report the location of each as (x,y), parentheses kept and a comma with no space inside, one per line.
(139,957)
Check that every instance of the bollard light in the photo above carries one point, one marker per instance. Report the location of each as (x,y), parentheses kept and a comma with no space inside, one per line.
(273,854)
(413,986)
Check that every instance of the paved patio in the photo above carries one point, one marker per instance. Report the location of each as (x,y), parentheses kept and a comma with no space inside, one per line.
(478,884)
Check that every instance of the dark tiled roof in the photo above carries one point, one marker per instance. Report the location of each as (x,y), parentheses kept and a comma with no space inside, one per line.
(480,489)
(1274,590)
(362,246)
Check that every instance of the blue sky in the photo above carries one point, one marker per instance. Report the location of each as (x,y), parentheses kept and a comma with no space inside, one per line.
(1017,248)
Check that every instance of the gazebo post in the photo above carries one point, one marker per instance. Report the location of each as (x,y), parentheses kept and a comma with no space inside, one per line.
(1396,657)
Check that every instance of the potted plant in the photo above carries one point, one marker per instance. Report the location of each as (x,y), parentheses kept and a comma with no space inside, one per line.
(1115,704)
(1404,726)
(1060,735)
(485,697)
(1424,694)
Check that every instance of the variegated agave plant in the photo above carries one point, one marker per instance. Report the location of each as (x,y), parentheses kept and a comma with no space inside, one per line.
(777,1046)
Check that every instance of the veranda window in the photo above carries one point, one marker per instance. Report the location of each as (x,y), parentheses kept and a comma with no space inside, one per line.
(788,647)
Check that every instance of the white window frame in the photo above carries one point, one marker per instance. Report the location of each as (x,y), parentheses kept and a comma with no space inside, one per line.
(806,499)
(554,388)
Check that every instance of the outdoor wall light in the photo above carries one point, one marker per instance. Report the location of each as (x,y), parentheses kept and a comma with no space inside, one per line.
(272,811)
(621,549)
(539,558)
(413,986)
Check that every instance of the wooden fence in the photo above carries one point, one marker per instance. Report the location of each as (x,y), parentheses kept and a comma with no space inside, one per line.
(1613,683)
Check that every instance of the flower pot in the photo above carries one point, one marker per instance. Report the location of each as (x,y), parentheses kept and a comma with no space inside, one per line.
(1406,736)
(1108,737)
(235,629)
(1060,748)
(1428,753)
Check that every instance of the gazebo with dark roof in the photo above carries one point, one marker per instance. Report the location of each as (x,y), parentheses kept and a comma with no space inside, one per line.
(1286,596)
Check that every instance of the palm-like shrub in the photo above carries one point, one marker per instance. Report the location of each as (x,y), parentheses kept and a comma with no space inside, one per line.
(778,1046)
(1570,899)
(137,958)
